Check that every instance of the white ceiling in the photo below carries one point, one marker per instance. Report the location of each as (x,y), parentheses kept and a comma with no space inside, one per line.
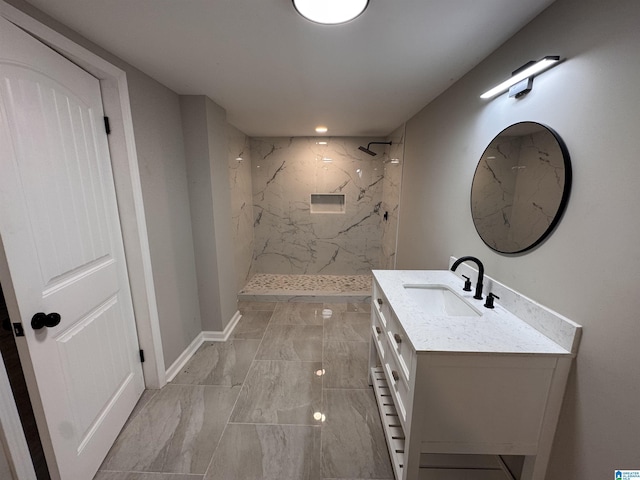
(278,74)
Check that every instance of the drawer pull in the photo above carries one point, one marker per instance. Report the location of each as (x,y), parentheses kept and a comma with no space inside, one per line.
(380,302)
(397,338)
(395,375)
(378,330)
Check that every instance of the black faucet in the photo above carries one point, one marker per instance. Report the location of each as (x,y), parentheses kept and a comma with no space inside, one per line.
(457,263)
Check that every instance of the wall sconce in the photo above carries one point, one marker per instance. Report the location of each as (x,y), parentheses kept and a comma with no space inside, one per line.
(521,80)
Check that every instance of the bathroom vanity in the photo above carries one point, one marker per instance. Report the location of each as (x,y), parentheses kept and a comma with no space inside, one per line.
(460,386)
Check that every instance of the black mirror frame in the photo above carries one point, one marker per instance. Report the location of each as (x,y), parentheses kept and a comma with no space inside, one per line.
(568,178)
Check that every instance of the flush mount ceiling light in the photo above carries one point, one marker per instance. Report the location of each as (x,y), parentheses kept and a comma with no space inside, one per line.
(330,12)
(521,80)
(321,129)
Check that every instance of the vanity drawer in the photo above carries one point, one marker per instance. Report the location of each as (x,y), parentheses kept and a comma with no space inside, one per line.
(378,335)
(400,346)
(381,306)
(399,387)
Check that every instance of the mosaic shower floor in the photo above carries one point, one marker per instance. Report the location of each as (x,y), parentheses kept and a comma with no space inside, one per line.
(277,287)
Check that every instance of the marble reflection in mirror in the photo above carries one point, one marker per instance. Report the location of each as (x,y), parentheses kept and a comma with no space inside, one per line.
(520,187)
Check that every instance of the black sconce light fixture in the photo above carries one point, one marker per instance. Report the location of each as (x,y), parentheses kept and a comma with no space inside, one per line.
(521,80)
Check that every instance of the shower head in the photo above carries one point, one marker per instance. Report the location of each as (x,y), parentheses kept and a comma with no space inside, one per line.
(368,151)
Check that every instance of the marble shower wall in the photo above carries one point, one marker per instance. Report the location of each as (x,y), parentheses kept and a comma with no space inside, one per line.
(241,203)
(291,239)
(391,198)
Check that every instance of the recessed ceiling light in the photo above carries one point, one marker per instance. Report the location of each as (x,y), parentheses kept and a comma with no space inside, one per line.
(330,12)
(321,129)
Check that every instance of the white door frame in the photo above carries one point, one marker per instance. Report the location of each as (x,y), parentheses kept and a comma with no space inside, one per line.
(124,160)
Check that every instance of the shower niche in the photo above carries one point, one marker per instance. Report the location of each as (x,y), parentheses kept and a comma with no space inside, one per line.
(328,203)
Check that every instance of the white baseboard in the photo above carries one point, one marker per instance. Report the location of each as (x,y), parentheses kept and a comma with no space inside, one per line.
(223,336)
(208,336)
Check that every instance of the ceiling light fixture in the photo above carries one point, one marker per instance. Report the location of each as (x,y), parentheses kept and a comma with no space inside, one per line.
(521,80)
(321,129)
(330,12)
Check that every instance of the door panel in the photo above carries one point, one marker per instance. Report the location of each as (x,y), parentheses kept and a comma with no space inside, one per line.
(61,234)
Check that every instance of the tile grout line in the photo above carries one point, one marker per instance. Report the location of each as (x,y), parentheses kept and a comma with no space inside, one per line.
(213,454)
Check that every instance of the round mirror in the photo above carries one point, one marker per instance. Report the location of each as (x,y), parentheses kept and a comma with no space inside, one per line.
(520,187)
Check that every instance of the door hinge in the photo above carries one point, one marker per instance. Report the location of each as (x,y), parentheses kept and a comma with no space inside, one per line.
(18,330)
(107,127)
(141,356)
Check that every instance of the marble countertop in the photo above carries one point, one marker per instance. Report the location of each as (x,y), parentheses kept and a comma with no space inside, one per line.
(496,331)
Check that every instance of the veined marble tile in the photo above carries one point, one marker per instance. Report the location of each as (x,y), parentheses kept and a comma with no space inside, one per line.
(346,364)
(252,325)
(219,363)
(278,392)
(391,199)
(297,314)
(353,444)
(348,327)
(288,237)
(291,342)
(267,452)
(241,202)
(145,476)
(176,432)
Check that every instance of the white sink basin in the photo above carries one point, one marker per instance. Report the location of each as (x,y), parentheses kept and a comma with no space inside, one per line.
(440,300)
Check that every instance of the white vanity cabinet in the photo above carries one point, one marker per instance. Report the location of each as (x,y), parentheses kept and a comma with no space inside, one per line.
(452,406)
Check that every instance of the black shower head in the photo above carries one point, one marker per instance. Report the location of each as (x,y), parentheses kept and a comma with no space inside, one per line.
(367,150)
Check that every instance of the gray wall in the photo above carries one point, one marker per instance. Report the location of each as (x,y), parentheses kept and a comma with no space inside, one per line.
(160,149)
(205,131)
(161,159)
(588,269)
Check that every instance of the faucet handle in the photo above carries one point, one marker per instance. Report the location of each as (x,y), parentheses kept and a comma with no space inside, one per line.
(467,284)
(489,302)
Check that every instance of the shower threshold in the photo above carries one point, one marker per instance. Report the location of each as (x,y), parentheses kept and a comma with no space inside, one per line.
(267,287)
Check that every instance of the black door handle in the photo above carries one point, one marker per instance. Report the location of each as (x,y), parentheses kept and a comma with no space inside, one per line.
(40,320)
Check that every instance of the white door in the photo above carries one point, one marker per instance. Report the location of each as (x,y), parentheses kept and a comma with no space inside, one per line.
(61,235)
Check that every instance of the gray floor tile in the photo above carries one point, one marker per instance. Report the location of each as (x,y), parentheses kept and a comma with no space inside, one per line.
(349,307)
(291,342)
(252,325)
(249,306)
(353,444)
(348,327)
(278,392)
(346,364)
(146,396)
(219,363)
(293,313)
(176,432)
(267,452)
(145,476)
